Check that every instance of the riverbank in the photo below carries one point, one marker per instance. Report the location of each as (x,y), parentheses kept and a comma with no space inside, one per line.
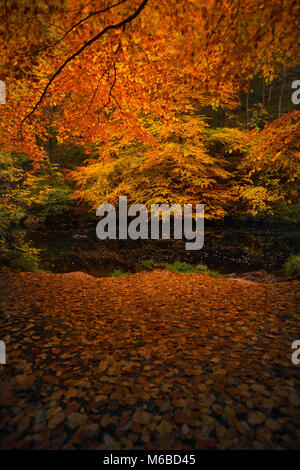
(238,248)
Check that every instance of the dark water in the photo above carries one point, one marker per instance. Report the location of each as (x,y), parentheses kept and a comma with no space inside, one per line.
(238,248)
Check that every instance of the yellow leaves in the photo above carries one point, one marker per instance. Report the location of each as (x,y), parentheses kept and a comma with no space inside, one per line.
(177,169)
(116,396)
(105,420)
(164,427)
(256,417)
(75,419)
(130,399)
(53,411)
(100,398)
(56,395)
(221,432)
(272,424)
(258,197)
(180,403)
(56,420)
(72,393)
(203,388)
(141,417)
(25,379)
(260,388)
(216,360)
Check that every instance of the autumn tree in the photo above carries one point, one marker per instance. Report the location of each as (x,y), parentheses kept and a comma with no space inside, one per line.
(97,67)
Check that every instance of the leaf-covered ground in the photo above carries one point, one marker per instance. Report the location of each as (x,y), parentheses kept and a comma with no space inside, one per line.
(155,360)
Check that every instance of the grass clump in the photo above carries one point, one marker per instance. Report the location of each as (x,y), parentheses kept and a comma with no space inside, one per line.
(147,265)
(180,267)
(183,267)
(119,273)
(292,266)
(177,267)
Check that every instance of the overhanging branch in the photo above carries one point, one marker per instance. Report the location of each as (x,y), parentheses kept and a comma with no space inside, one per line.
(81,49)
(90,15)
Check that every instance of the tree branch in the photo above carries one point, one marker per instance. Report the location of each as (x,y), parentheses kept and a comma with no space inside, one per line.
(110,90)
(78,24)
(127,20)
(100,79)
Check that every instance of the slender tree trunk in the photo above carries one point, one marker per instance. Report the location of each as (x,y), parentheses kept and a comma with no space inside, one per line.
(247,109)
(270,94)
(263,92)
(241,103)
(281,92)
(223,117)
(50,148)
(51,136)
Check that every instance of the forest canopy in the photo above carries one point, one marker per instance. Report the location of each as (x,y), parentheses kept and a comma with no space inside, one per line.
(159,100)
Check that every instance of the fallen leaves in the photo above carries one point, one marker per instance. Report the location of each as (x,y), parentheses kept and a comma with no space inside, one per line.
(142,417)
(56,420)
(76,419)
(181,403)
(105,420)
(118,364)
(256,417)
(164,427)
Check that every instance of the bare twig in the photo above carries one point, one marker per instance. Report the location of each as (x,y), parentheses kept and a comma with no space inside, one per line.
(100,79)
(117,103)
(110,91)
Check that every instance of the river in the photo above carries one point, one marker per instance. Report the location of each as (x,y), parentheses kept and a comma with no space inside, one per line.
(227,248)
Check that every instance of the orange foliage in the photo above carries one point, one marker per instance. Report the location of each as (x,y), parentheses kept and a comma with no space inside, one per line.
(171,51)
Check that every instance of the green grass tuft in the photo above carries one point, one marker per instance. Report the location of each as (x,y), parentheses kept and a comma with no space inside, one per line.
(119,273)
(182,267)
(292,266)
(147,265)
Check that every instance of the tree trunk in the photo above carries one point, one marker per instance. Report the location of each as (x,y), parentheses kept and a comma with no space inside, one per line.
(241,103)
(247,109)
(50,149)
(281,92)
(270,94)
